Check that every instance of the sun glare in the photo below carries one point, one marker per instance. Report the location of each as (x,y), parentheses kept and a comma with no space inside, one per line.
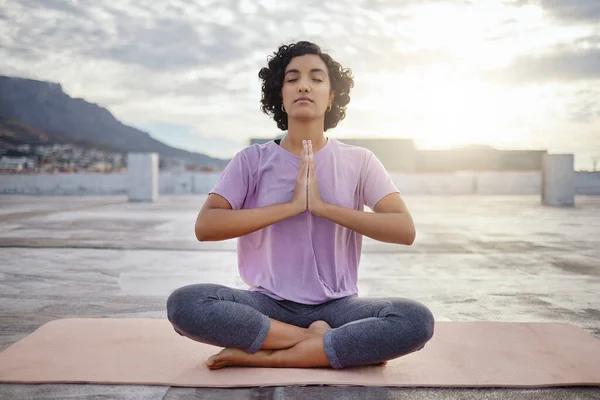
(447,104)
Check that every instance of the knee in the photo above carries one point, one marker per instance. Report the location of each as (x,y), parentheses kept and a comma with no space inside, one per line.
(424,324)
(418,323)
(176,304)
(184,300)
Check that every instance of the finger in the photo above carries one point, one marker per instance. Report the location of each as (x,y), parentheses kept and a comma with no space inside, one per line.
(307,162)
(302,156)
(311,159)
(305,158)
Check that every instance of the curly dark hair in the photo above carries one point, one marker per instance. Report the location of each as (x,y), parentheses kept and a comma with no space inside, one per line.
(272,76)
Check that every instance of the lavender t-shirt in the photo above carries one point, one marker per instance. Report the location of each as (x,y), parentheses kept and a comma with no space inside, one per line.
(305,259)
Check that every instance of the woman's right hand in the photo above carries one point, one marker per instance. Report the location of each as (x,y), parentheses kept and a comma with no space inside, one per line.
(300,198)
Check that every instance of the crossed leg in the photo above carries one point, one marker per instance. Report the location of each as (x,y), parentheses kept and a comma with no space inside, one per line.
(307,352)
(366,331)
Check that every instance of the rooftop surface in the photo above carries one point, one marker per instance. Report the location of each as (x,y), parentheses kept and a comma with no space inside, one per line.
(476,258)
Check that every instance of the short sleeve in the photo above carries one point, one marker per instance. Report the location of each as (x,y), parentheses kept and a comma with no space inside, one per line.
(233,182)
(377,183)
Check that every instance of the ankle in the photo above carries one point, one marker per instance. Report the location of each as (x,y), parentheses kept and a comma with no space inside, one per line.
(311,333)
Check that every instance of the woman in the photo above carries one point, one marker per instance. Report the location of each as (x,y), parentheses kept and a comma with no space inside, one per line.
(297,207)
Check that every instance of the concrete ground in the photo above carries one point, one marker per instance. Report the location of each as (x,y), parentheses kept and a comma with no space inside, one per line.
(475,258)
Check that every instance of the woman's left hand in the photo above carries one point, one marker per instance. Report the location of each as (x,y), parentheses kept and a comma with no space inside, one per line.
(315,204)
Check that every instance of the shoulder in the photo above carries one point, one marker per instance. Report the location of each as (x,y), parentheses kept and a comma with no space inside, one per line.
(255,152)
(352,152)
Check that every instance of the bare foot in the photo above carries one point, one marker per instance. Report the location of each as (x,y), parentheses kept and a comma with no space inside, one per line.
(262,358)
(320,327)
(237,357)
(221,359)
(231,356)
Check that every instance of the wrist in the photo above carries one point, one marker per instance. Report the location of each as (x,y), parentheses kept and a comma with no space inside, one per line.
(295,208)
(320,210)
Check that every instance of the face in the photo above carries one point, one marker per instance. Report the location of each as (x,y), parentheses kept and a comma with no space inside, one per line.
(306,77)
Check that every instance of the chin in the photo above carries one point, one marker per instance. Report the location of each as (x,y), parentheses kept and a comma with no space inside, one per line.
(304,115)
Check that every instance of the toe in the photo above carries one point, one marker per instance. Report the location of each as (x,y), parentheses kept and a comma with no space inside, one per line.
(212,360)
(319,326)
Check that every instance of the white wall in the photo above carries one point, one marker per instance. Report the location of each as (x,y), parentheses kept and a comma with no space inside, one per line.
(587,183)
(64,184)
(487,183)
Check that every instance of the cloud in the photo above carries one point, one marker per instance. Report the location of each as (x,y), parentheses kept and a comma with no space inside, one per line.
(181,49)
(565,10)
(67,7)
(165,44)
(573,10)
(558,66)
(195,63)
(584,106)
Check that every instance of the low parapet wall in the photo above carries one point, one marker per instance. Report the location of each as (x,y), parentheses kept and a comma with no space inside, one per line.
(478,183)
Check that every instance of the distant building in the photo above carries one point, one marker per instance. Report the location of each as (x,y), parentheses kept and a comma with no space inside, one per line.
(263,140)
(479,158)
(400,155)
(394,154)
(16,164)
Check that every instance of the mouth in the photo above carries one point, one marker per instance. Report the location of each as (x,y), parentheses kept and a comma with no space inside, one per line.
(303,99)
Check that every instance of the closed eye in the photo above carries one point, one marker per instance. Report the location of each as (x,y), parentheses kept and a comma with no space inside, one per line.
(294,80)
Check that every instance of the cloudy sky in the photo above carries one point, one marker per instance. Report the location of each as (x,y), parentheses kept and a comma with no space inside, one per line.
(513,74)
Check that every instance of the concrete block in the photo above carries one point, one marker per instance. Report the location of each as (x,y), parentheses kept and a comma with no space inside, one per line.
(203,182)
(508,183)
(433,183)
(558,180)
(587,183)
(142,176)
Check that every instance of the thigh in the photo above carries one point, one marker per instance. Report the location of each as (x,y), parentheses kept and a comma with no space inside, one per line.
(222,316)
(371,330)
(353,308)
(200,294)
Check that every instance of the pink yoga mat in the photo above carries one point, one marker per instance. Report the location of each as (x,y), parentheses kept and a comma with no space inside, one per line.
(149,352)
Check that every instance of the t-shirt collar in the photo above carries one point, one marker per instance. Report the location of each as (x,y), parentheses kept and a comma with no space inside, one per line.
(323,150)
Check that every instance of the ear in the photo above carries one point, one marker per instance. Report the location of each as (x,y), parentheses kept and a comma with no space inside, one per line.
(331,97)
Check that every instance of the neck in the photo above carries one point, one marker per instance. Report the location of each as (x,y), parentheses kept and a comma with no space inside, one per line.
(304,130)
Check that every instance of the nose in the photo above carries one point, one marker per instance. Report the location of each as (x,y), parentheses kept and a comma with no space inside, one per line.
(303,87)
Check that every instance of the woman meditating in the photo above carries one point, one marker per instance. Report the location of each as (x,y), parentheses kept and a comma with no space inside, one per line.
(297,207)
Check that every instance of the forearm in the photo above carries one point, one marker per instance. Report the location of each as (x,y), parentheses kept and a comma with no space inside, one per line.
(221,224)
(392,227)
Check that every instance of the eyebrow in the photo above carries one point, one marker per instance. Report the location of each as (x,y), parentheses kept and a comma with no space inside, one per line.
(297,72)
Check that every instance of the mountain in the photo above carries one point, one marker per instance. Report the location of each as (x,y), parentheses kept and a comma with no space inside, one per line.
(43,112)
(14,133)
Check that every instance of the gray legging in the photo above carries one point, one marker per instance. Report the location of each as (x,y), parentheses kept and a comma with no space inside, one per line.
(365,330)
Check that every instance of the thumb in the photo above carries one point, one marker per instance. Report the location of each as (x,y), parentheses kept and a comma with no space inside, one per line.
(307,164)
(311,168)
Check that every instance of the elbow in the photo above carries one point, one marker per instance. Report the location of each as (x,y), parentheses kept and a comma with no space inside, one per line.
(207,233)
(408,238)
(411,238)
(201,233)
(204,227)
(410,232)
(204,237)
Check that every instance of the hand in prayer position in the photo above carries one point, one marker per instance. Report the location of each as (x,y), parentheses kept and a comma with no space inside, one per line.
(306,192)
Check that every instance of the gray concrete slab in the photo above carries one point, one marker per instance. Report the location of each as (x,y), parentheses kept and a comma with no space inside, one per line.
(476,258)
